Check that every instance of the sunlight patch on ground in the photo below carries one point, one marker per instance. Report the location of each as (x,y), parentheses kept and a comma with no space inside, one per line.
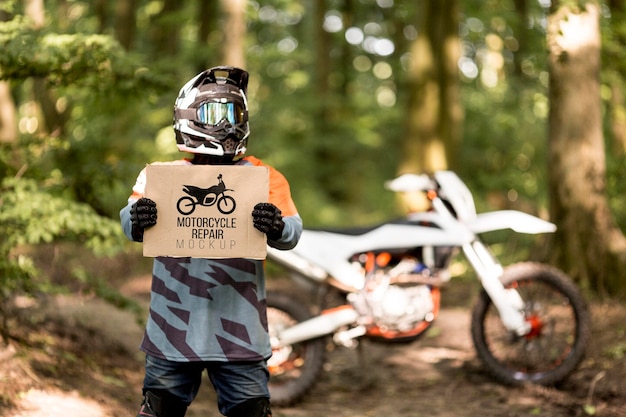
(35,403)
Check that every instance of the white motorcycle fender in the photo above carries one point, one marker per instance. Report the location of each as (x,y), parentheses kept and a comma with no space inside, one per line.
(517,221)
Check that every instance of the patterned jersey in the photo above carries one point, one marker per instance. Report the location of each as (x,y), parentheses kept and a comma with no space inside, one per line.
(212,309)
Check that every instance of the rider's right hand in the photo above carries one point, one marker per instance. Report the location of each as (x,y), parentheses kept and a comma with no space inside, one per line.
(268,219)
(142,214)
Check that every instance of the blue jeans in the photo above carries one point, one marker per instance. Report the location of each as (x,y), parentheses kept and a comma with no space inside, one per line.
(234,382)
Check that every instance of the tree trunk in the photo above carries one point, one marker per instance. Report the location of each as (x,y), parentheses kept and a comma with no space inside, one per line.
(54,120)
(165,31)
(617,103)
(100,10)
(35,12)
(323,65)
(125,22)
(434,113)
(521,34)
(8,113)
(234,33)
(588,245)
(208,12)
(347,12)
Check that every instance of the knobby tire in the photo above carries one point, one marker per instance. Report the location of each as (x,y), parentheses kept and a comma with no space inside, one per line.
(560,320)
(294,377)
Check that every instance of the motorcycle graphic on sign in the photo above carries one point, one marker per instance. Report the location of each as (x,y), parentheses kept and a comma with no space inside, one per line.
(206,197)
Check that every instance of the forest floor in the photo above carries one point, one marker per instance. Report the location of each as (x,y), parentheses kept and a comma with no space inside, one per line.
(77,356)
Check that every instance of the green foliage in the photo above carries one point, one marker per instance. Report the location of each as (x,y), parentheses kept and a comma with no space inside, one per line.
(31,215)
(509,146)
(106,92)
(71,184)
(90,60)
(336,149)
(505,130)
(336,170)
(108,141)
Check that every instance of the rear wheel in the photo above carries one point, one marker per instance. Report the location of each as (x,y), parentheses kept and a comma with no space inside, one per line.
(559,319)
(186,205)
(293,368)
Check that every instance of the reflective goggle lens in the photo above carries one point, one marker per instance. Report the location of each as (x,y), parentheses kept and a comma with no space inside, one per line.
(211,113)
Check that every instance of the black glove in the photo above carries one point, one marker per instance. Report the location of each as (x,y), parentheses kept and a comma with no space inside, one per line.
(267,219)
(142,214)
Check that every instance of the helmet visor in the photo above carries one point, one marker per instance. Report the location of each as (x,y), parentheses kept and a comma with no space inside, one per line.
(212,113)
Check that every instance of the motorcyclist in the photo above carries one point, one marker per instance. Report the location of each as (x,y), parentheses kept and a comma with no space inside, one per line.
(210,314)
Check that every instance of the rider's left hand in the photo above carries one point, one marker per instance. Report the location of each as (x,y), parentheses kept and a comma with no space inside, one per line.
(268,219)
(142,214)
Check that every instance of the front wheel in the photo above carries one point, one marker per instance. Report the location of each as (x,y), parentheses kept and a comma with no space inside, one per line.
(293,368)
(226,204)
(559,321)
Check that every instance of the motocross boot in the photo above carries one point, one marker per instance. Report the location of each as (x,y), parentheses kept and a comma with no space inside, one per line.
(255,407)
(158,403)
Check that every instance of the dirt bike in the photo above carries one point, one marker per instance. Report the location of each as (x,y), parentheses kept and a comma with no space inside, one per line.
(529,325)
(206,197)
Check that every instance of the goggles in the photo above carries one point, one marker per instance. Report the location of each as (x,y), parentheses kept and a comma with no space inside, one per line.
(212,113)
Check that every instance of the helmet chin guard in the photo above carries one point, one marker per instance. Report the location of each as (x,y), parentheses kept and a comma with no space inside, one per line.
(211,113)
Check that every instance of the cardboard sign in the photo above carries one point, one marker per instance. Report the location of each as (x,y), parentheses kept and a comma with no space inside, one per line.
(205,211)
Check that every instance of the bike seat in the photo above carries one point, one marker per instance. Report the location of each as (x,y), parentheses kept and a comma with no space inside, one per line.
(361,230)
(193,188)
(351,231)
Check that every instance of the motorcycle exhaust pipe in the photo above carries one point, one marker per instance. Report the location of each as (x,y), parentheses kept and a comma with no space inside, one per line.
(322,325)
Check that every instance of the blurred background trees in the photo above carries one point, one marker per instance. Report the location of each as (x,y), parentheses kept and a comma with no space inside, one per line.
(344,94)
(588,243)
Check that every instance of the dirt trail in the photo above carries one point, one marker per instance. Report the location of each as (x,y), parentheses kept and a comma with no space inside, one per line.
(82,360)
(52,403)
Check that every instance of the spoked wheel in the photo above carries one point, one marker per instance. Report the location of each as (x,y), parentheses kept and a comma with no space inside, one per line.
(559,328)
(293,368)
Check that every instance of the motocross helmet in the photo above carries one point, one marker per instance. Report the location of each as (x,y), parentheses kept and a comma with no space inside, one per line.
(211,114)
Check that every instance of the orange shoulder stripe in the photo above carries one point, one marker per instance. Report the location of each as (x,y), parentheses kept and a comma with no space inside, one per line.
(280,193)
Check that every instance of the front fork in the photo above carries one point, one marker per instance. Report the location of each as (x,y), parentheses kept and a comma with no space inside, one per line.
(508,301)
